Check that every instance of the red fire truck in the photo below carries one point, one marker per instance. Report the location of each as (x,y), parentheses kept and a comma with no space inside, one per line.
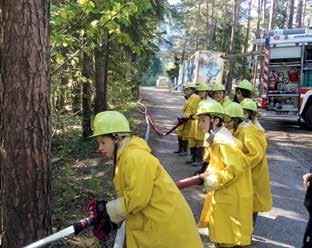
(286,74)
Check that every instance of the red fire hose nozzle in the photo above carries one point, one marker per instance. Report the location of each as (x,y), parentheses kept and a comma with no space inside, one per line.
(191,181)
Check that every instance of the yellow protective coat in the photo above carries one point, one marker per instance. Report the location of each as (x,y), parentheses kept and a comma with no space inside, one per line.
(189,109)
(157,215)
(228,209)
(180,128)
(196,132)
(254,147)
(226,100)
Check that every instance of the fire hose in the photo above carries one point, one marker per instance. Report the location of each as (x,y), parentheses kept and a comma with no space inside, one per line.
(83,224)
(76,228)
(151,121)
(191,181)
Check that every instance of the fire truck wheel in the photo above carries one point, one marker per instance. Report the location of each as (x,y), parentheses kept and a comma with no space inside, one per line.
(308,116)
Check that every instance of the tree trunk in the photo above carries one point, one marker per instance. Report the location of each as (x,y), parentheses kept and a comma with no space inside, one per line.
(212,24)
(60,98)
(264,13)
(224,25)
(207,25)
(260,10)
(86,95)
(272,14)
(247,38)
(213,33)
(101,55)
(299,14)
(24,122)
(235,16)
(76,101)
(255,58)
(290,13)
(197,27)
(304,12)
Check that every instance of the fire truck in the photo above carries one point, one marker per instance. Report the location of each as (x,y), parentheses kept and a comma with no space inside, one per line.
(286,73)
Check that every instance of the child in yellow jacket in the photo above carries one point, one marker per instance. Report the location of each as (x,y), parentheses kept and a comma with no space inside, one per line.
(196,134)
(184,129)
(227,181)
(153,209)
(255,146)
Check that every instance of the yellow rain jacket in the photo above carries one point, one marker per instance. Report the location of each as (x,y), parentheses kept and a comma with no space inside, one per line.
(229,205)
(254,147)
(189,109)
(226,100)
(180,128)
(156,213)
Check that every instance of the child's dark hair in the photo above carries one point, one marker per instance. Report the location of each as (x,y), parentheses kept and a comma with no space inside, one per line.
(236,122)
(245,94)
(252,115)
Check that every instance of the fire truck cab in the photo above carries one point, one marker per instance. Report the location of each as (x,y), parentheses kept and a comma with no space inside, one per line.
(287,73)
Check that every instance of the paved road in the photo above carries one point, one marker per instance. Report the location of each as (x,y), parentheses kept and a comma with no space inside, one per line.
(289,154)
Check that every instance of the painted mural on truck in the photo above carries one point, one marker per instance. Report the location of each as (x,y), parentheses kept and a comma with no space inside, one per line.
(202,67)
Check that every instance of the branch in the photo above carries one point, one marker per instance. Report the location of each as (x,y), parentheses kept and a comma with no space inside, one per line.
(87,42)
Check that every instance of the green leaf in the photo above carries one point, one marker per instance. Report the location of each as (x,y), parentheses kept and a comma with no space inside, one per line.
(94,23)
(82,2)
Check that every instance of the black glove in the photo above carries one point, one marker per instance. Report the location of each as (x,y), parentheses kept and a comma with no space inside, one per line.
(182,120)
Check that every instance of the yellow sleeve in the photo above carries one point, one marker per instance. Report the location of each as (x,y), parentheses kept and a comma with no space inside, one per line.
(233,167)
(139,174)
(191,105)
(188,110)
(253,150)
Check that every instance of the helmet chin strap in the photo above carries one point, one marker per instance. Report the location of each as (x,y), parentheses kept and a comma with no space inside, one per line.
(115,137)
(211,124)
(211,130)
(115,158)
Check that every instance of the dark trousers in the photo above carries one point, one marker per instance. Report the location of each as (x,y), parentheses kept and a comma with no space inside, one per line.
(307,240)
(254,218)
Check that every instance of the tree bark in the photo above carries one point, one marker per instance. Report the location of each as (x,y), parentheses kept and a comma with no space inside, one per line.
(86,95)
(272,14)
(290,13)
(197,27)
(207,24)
(299,14)
(264,12)
(247,37)
(224,25)
(261,14)
(235,16)
(76,101)
(304,12)
(101,55)
(212,24)
(60,98)
(24,122)
(260,11)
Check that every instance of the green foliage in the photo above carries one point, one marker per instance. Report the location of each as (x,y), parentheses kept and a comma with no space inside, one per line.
(172,69)
(79,26)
